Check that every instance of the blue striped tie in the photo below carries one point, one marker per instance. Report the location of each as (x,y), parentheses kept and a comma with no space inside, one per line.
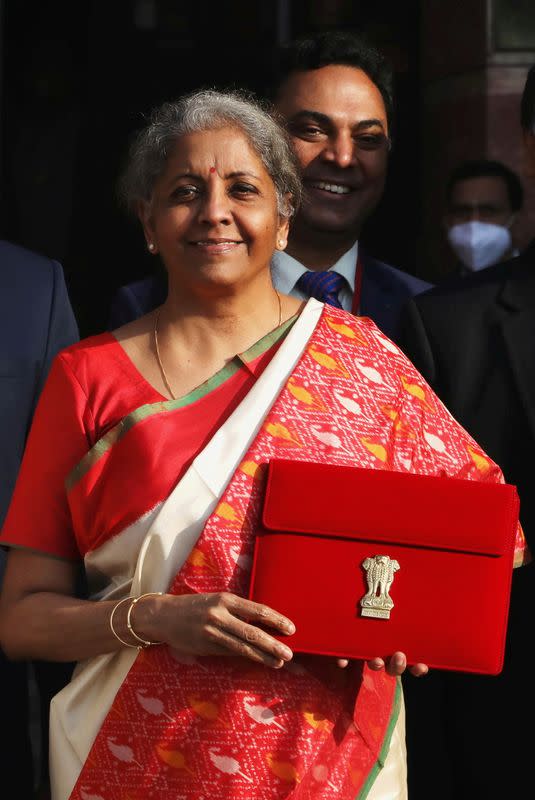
(324,286)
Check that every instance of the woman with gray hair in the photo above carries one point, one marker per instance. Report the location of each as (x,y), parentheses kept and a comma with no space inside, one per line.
(155,438)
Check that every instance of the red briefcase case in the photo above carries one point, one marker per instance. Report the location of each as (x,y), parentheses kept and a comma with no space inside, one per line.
(367,562)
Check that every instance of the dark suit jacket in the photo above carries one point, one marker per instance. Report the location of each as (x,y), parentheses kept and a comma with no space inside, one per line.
(473,339)
(36,320)
(385,290)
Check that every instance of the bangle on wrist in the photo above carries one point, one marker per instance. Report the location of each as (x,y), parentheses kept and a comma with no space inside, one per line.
(114,609)
(143,642)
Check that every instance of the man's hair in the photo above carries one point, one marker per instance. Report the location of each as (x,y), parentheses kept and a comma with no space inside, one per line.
(339,48)
(484,168)
(527,104)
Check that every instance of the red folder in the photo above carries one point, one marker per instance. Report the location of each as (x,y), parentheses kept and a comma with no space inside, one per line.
(367,562)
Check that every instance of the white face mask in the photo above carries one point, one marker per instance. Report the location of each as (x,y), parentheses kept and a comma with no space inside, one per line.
(479,244)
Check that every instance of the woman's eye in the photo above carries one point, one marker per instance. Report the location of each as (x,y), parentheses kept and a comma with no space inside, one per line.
(244,188)
(184,192)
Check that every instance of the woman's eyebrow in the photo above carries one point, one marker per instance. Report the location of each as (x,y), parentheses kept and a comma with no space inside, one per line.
(241,174)
(185,174)
(199,178)
(195,176)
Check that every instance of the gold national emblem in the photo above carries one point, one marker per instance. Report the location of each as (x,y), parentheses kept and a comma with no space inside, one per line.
(379,576)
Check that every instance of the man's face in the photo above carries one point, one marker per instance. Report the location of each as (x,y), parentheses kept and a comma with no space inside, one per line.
(337,120)
(482,199)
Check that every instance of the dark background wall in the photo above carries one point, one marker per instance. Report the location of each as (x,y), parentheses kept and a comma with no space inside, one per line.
(78,76)
(474,56)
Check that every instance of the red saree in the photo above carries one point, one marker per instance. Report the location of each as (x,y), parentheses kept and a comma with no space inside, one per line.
(180,727)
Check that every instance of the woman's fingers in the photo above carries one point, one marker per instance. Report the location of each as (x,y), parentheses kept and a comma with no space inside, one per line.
(250,638)
(397,664)
(376,664)
(212,624)
(256,612)
(418,670)
(249,643)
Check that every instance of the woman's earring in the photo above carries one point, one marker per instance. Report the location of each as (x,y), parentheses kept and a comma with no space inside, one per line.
(282,244)
(151,247)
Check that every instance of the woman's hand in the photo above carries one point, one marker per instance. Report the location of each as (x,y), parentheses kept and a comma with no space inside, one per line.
(395,665)
(221,624)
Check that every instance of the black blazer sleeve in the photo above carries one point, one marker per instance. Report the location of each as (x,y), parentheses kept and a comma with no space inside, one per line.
(62,328)
(414,341)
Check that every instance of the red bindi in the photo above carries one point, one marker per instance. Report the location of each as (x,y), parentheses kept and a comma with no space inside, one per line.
(212,169)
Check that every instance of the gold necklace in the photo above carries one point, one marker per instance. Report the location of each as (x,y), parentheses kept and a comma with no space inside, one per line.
(280,308)
(156,346)
(164,376)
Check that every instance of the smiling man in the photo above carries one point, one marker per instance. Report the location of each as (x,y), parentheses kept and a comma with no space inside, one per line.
(334,91)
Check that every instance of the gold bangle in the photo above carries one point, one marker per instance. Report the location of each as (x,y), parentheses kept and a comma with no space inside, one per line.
(114,609)
(144,642)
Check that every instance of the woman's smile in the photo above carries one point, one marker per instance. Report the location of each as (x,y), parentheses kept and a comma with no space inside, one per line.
(216,246)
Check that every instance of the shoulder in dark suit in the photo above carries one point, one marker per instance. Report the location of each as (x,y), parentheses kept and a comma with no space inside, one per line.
(463,334)
(135,299)
(385,290)
(36,321)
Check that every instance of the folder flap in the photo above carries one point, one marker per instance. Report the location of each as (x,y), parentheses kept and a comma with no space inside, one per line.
(385,506)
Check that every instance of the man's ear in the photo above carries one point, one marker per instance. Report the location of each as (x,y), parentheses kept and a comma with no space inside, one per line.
(529,146)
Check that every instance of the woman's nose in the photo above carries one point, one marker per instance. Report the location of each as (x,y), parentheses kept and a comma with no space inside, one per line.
(215,207)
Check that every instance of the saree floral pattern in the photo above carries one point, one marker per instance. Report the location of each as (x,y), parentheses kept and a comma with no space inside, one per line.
(222,728)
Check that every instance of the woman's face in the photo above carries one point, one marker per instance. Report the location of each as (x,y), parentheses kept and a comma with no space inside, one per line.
(213,216)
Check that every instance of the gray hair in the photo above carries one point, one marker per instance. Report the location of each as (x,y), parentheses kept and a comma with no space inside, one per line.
(209,110)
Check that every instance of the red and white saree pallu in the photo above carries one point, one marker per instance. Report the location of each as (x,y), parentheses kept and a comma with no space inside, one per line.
(157,724)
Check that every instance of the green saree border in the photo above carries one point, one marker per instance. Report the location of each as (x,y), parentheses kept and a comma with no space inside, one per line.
(106,442)
(377,767)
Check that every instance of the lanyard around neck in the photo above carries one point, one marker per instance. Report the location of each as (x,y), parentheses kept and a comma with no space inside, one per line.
(357,294)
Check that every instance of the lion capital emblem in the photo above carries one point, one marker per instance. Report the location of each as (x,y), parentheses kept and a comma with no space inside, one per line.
(379,576)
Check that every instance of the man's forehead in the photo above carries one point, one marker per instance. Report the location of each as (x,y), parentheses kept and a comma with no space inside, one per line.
(336,91)
(480,188)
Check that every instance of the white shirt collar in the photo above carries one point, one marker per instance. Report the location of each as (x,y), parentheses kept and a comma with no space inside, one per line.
(286,270)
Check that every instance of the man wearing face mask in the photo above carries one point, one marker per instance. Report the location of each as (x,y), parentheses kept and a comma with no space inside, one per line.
(474,341)
(483,199)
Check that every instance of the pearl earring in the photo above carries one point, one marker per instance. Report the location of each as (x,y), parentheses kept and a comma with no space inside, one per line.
(282,244)
(150,247)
